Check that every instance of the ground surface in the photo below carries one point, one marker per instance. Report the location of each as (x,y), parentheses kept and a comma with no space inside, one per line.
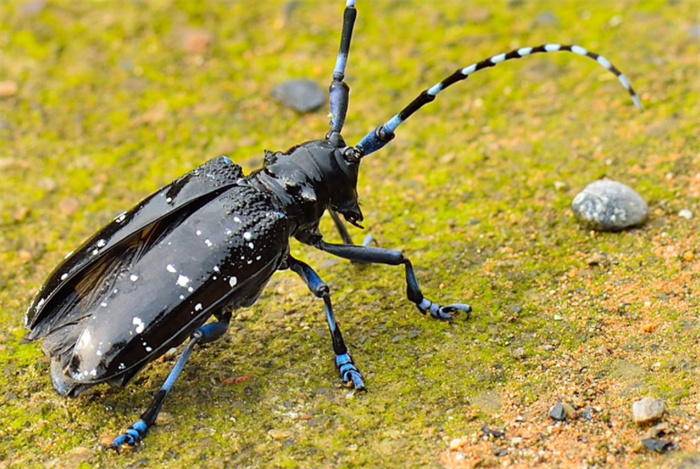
(104,102)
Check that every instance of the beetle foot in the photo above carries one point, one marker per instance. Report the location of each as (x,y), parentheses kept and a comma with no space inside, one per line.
(131,437)
(443,313)
(349,372)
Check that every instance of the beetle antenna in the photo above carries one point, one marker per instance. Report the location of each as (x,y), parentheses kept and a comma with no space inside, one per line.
(339,90)
(383,134)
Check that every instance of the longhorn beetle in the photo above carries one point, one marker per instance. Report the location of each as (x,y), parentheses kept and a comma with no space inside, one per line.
(209,242)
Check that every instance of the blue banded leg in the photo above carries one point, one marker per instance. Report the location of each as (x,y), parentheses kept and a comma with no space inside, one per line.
(389,257)
(137,431)
(348,371)
(345,234)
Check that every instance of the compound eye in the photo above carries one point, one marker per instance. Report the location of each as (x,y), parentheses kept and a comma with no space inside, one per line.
(352,155)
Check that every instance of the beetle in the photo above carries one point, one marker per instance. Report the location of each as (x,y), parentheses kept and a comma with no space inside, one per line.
(209,242)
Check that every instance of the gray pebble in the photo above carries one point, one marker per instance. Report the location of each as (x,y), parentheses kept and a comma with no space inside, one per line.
(647,410)
(546,18)
(562,412)
(694,31)
(519,353)
(557,413)
(301,95)
(609,206)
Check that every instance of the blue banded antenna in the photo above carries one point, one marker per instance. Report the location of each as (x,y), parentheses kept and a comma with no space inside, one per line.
(383,134)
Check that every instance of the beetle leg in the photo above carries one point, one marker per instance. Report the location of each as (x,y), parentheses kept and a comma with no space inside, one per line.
(387,256)
(137,431)
(345,234)
(348,371)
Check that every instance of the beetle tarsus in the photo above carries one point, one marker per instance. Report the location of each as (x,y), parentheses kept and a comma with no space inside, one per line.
(443,313)
(349,372)
(131,437)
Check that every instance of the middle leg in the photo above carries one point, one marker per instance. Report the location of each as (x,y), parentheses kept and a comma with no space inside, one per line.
(348,371)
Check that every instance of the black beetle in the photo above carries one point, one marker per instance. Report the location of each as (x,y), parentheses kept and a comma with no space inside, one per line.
(209,242)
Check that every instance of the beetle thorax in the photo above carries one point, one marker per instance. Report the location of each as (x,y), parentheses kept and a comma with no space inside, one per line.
(310,178)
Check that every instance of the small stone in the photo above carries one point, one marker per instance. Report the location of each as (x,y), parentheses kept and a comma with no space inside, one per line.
(569,411)
(301,95)
(8,88)
(558,413)
(278,434)
(69,206)
(196,41)
(658,446)
(457,443)
(490,433)
(661,429)
(609,206)
(694,31)
(519,353)
(647,410)
(685,213)
(546,18)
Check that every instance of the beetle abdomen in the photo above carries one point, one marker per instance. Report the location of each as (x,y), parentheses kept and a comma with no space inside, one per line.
(220,255)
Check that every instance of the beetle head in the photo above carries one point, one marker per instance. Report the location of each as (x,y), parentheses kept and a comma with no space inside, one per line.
(344,191)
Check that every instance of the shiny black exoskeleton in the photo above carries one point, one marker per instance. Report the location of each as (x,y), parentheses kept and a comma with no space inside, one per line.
(209,242)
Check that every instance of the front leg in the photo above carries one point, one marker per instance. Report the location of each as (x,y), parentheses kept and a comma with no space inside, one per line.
(389,257)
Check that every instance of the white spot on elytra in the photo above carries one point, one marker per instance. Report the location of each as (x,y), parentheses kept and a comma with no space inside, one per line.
(233,281)
(85,338)
(190,289)
(251,245)
(140,326)
(247,236)
(236,219)
(198,307)
(64,276)
(182,280)
(199,233)
(208,243)
(103,304)
(133,277)
(148,349)
(170,268)
(101,243)
(216,268)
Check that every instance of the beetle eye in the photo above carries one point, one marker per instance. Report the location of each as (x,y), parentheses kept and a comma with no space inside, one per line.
(352,155)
